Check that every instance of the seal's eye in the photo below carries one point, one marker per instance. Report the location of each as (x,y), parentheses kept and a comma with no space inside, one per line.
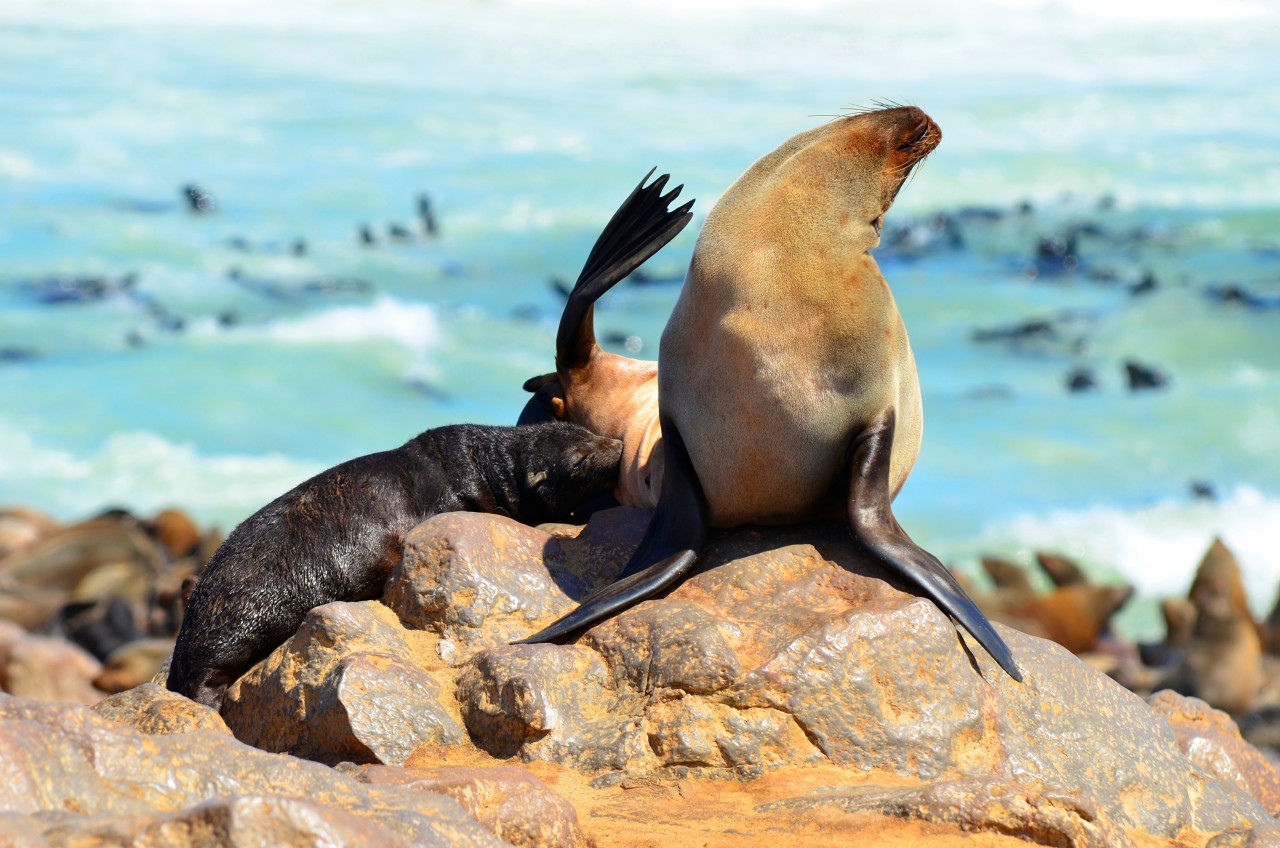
(877,222)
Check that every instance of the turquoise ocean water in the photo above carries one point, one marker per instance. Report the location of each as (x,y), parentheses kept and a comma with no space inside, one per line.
(1150,130)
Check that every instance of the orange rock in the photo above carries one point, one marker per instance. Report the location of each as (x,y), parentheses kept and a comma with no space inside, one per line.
(510,802)
(153,709)
(1211,739)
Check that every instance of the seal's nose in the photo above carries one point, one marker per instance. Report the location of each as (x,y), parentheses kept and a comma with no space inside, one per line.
(918,135)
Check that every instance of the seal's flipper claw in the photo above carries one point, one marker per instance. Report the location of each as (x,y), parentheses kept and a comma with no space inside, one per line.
(670,546)
(876,531)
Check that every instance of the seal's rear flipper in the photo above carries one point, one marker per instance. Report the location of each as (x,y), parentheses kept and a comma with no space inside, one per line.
(876,531)
(640,228)
(670,546)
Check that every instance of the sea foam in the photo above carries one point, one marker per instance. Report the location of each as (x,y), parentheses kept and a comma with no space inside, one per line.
(143,472)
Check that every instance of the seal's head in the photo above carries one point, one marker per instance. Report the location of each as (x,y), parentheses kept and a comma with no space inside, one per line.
(560,467)
(828,187)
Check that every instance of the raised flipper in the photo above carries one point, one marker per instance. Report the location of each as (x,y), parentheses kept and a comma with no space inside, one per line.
(670,546)
(640,228)
(877,532)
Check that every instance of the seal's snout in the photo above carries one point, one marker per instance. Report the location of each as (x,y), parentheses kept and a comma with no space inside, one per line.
(916,134)
(909,136)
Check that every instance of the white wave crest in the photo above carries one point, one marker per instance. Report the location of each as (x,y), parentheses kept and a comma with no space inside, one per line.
(143,472)
(414,326)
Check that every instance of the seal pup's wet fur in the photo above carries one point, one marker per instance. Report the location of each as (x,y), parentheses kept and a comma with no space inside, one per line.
(338,535)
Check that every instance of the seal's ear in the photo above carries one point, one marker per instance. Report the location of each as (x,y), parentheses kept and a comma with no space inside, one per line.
(534,383)
(547,403)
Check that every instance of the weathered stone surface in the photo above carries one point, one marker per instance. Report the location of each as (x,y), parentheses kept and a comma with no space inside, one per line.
(513,804)
(485,583)
(51,670)
(787,646)
(61,764)
(1027,809)
(1211,739)
(548,698)
(245,822)
(154,709)
(351,684)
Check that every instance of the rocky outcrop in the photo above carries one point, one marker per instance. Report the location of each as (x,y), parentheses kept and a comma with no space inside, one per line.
(50,670)
(786,665)
(71,776)
(1210,739)
(352,684)
(510,802)
(151,708)
(783,649)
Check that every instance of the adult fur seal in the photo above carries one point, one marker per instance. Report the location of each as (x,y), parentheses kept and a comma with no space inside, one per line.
(787,386)
(338,535)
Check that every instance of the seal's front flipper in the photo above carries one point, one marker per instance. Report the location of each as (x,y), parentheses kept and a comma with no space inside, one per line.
(877,532)
(640,228)
(670,546)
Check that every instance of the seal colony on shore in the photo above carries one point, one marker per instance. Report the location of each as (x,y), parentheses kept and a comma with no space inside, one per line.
(787,385)
(338,535)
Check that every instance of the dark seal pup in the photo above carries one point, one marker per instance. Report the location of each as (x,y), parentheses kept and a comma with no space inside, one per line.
(338,535)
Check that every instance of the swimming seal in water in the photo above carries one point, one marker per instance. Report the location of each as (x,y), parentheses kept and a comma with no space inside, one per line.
(338,535)
(787,386)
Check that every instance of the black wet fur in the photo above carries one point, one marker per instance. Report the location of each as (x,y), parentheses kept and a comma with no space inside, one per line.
(338,535)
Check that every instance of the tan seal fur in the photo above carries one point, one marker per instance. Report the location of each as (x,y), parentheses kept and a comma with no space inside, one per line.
(787,387)
(617,397)
(786,341)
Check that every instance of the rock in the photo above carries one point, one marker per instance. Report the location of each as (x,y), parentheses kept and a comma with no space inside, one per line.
(133,664)
(786,646)
(1211,739)
(21,529)
(243,822)
(30,609)
(67,771)
(50,669)
(153,709)
(486,584)
(1027,809)
(60,561)
(351,684)
(511,803)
